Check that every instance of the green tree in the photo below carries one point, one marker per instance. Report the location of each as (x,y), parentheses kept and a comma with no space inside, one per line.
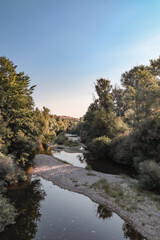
(129,78)
(103,90)
(16,106)
(142,100)
(118,104)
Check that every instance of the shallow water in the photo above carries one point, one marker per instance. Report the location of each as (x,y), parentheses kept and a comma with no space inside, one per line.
(83,160)
(100,165)
(76,159)
(49,212)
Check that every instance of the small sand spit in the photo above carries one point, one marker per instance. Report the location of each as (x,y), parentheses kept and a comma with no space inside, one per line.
(138,210)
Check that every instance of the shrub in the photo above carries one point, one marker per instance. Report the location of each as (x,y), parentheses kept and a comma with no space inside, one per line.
(121,149)
(61,139)
(8,213)
(10,171)
(139,145)
(150,175)
(99,147)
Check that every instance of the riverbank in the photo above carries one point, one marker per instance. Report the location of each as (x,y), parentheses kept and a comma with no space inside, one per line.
(119,193)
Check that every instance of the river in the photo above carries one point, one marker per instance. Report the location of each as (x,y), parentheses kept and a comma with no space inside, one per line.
(48,212)
(83,160)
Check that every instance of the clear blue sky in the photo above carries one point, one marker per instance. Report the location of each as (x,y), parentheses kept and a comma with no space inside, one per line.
(65,45)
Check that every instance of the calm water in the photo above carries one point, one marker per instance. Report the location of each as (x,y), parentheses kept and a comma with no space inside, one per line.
(105,166)
(76,159)
(49,212)
(82,160)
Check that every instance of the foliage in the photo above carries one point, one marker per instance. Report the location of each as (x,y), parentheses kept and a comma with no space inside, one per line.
(150,175)
(129,117)
(121,149)
(99,147)
(119,106)
(103,90)
(50,126)
(16,106)
(20,125)
(61,139)
(8,213)
(100,119)
(10,171)
(142,94)
(141,144)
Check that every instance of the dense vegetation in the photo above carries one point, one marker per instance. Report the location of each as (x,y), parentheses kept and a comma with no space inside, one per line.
(21,126)
(123,124)
(22,130)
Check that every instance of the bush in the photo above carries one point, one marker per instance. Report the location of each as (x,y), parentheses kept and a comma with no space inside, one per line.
(150,175)
(7,213)
(10,171)
(139,145)
(23,147)
(99,147)
(121,149)
(61,139)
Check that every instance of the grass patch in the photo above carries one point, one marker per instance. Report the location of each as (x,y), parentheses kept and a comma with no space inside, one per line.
(115,191)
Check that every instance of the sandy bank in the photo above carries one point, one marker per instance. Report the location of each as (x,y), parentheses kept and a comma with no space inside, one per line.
(140,210)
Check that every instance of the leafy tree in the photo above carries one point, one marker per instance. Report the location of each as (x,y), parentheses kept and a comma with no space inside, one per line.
(16,106)
(103,90)
(143,99)
(129,78)
(100,119)
(95,120)
(155,68)
(118,104)
(103,124)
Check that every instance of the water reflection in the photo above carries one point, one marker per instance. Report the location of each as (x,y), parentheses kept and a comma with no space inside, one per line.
(61,214)
(27,199)
(130,233)
(108,166)
(84,159)
(75,159)
(103,212)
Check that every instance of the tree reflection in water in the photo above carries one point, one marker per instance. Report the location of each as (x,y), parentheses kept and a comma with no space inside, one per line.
(108,166)
(129,232)
(103,212)
(27,199)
